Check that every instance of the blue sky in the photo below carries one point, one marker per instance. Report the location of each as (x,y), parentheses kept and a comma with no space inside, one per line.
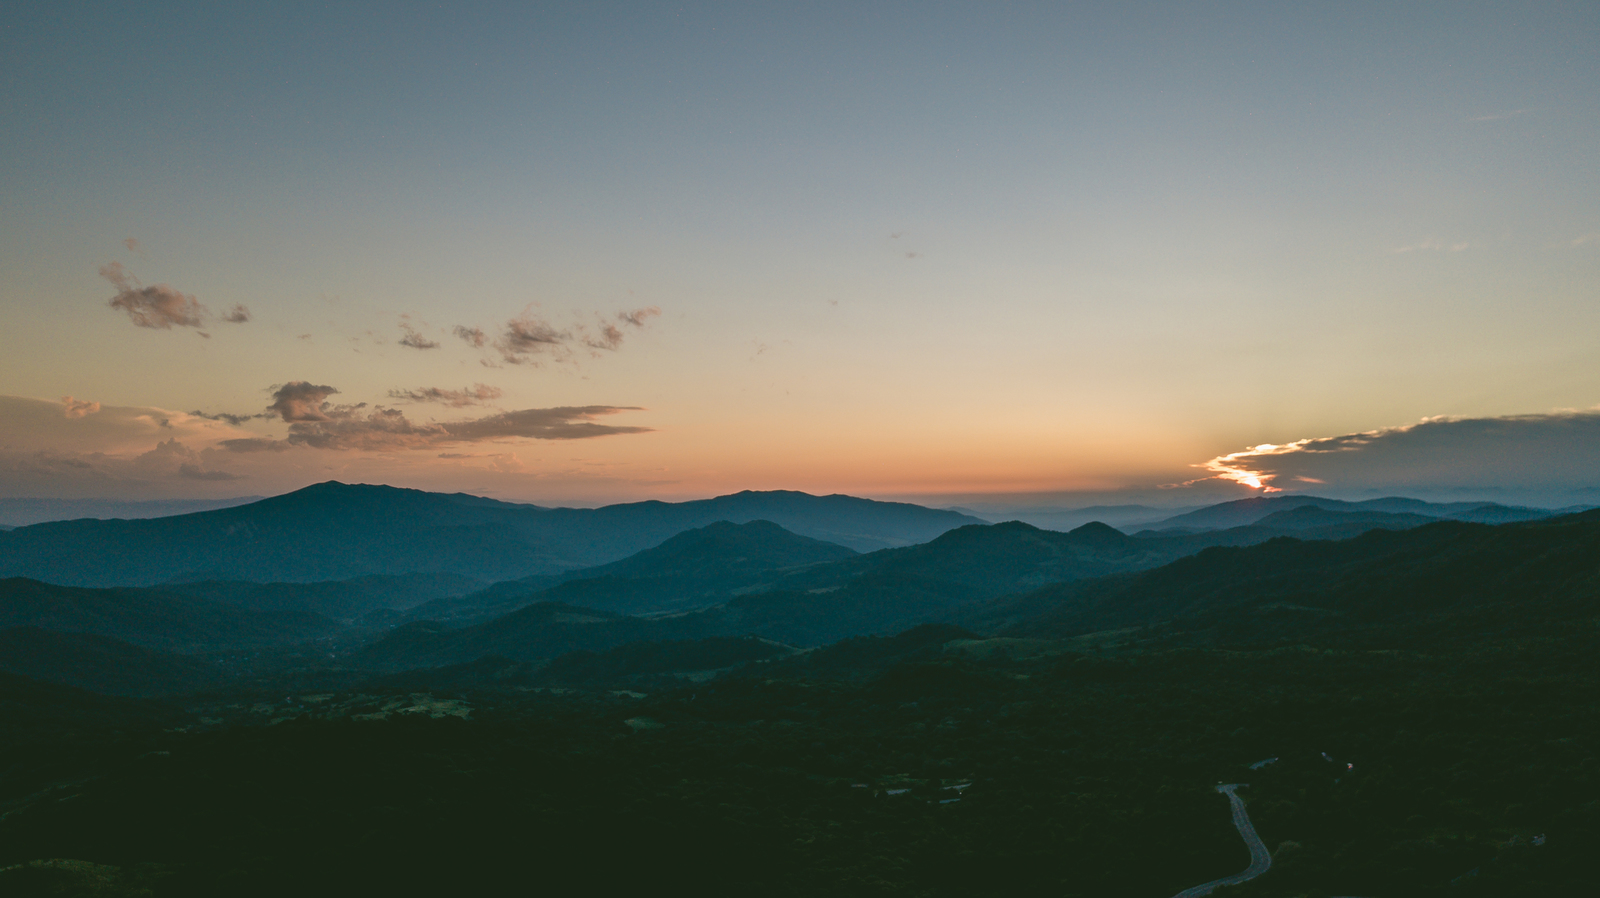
(896,249)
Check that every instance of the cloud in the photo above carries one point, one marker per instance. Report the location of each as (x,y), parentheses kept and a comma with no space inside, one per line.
(255,444)
(31,425)
(1587,239)
(195,472)
(637,317)
(319,424)
(564,423)
(473,395)
(171,458)
(131,244)
(78,408)
(528,339)
(161,306)
(1432,244)
(1553,453)
(416,340)
(610,337)
(158,306)
(299,401)
(235,420)
(528,335)
(113,450)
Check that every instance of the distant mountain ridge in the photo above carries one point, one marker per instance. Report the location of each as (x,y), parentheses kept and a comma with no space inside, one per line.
(22,512)
(336,531)
(1245,512)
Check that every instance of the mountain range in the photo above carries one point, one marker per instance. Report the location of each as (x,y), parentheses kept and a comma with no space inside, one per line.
(336,531)
(717,580)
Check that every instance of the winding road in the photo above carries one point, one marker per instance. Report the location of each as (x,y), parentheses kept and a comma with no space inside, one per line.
(1260,859)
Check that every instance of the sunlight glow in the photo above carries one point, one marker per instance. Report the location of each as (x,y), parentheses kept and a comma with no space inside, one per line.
(1235,466)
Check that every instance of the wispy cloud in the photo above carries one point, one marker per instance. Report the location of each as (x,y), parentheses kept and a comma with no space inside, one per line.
(531,338)
(161,306)
(527,336)
(235,420)
(473,395)
(610,335)
(416,340)
(1586,239)
(317,423)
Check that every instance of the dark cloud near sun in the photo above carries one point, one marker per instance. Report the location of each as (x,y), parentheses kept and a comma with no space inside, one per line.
(161,306)
(1549,454)
(474,337)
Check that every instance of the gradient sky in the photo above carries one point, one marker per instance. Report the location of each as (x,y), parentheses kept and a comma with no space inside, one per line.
(1051,251)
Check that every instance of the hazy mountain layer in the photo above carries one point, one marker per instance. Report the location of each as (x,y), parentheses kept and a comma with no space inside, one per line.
(334,531)
(1244,512)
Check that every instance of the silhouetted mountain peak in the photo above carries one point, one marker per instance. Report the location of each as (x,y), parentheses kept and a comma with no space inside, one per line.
(1096,533)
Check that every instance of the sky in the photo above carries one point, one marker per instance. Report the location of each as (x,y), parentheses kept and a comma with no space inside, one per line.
(1045,254)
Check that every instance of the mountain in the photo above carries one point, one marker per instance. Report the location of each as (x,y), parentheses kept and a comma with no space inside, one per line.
(1314,517)
(1244,512)
(342,600)
(806,605)
(152,618)
(1418,583)
(100,663)
(723,550)
(722,561)
(336,531)
(1059,518)
(694,568)
(21,512)
(1000,558)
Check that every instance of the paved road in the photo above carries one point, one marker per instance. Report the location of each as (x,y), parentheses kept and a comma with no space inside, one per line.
(1260,860)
